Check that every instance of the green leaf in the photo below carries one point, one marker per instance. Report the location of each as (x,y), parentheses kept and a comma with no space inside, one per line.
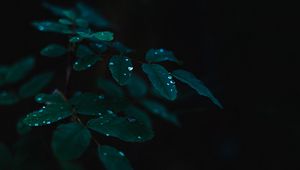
(110,88)
(50,26)
(159,55)
(82,23)
(35,85)
(104,36)
(88,103)
(133,112)
(55,109)
(113,159)
(53,50)
(137,87)
(70,14)
(70,141)
(91,15)
(124,128)
(56,10)
(85,58)
(65,21)
(161,111)
(120,68)
(161,80)
(20,69)
(75,39)
(5,158)
(198,85)
(22,128)
(8,98)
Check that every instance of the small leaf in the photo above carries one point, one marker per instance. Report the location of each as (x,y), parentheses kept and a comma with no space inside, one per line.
(22,128)
(91,15)
(20,69)
(85,58)
(121,47)
(35,85)
(6,158)
(70,141)
(133,112)
(161,80)
(120,68)
(8,98)
(65,21)
(110,88)
(159,55)
(160,110)
(55,109)
(84,34)
(137,87)
(50,26)
(113,159)
(198,85)
(104,36)
(124,128)
(88,103)
(54,50)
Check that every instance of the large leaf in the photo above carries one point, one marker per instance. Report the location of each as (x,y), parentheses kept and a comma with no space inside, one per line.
(85,58)
(120,68)
(110,88)
(113,159)
(137,87)
(5,158)
(70,141)
(104,36)
(88,103)
(53,50)
(55,109)
(196,84)
(91,15)
(8,98)
(160,110)
(50,26)
(20,69)
(133,113)
(159,55)
(161,80)
(124,128)
(35,85)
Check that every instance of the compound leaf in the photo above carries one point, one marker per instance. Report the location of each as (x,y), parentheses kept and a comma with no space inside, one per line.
(120,68)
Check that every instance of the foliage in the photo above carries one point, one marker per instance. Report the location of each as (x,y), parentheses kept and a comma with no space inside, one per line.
(116,112)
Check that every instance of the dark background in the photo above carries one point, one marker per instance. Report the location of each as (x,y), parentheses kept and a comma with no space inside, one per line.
(246,53)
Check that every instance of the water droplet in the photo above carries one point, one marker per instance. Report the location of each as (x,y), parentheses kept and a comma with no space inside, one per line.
(107,134)
(172,82)
(59,118)
(34,115)
(125,74)
(41,28)
(121,153)
(168,84)
(89,65)
(155,53)
(29,124)
(110,112)
(171,90)
(43,107)
(101,97)
(40,111)
(169,77)
(76,63)
(126,59)
(48,123)
(139,137)
(99,114)
(130,68)
(111,63)
(44,122)
(36,124)
(39,99)
(131,119)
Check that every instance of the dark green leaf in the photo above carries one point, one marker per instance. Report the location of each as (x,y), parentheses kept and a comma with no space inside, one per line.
(55,109)
(100,47)
(198,85)
(110,88)
(20,69)
(5,158)
(35,85)
(22,128)
(83,34)
(113,159)
(159,55)
(120,68)
(50,26)
(56,10)
(85,58)
(75,39)
(160,110)
(121,47)
(65,21)
(91,15)
(54,50)
(88,103)
(82,23)
(8,98)
(70,141)
(69,14)
(125,128)
(133,112)
(161,80)
(104,36)
(137,86)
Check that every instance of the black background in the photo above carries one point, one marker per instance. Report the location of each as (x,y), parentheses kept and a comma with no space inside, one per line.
(246,53)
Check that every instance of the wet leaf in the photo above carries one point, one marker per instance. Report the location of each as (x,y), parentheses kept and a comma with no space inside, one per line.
(55,109)
(198,85)
(70,141)
(8,98)
(110,88)
(120,68)
(124,128)
(161,80)
(113,159)
(35,85)
(133,112)
(85,58)
(159,55)
(104,36)
(161,111)
(137,87)
(82,23)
